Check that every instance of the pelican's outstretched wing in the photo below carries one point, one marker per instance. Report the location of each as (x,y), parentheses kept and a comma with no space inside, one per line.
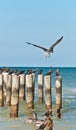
(51,48)
(45,49)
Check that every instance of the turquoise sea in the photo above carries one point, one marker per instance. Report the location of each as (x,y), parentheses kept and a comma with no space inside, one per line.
(68,118)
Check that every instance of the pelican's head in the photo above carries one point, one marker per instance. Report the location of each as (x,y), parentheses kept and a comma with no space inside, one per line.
(34,115)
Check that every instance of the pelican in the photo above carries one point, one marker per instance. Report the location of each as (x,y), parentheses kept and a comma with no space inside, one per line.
(34,120)
(47,51)
(50,71)
(21,72)
(40,71)
(48,123)
(11,72)
(47,113)
(57,72)
(30,71)
(31,120)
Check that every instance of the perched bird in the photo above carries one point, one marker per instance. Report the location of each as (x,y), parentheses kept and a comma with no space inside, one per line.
(47,51)
(21,72)
(50,71)
(57,72)
(11,72)
(29,71)
(5,69)
(40,71)
(35,70)
(15,71)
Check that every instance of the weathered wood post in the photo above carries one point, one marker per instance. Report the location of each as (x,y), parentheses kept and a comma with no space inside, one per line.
(1,91)
(33,75)
(48,95)
(15,96)
(58,85)
(25,88)
(22,87)
(29,91)
(40,88)
(8,90)
(5,80)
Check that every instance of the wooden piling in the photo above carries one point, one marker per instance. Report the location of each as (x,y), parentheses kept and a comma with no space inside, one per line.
(8,90)
(22,87)
(1,91)
(48,95)
(15,96)
(5,80)
(29,91)
(40,88)
(33,75)
(58,85)
(25,88)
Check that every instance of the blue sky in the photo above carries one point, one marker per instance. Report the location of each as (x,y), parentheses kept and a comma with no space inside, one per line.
(41,22)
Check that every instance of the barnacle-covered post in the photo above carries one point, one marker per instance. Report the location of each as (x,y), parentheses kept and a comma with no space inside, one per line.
(58,84)
(40,88)
(5,80)
(1,91)
(33,75)
(29,91)
(15,96)
(22,87)
(48,95)
(8,90)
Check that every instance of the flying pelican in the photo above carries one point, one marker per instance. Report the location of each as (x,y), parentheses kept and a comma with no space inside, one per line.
(47,51)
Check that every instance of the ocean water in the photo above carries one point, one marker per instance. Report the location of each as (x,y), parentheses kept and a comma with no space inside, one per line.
(68,118)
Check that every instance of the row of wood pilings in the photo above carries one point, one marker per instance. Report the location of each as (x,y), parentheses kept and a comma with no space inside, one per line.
(14,88)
